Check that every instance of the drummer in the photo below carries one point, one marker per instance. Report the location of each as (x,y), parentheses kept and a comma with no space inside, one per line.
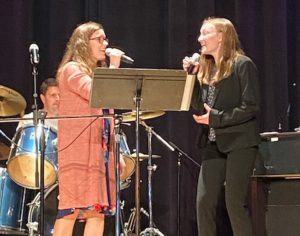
(49,95)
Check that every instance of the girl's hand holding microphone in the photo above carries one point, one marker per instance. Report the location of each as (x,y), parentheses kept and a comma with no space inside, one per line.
(191,64)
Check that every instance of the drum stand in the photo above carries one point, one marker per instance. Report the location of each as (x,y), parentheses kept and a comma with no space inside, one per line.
(129,226)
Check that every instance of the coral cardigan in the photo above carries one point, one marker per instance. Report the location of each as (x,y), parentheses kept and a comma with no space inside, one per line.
(82,178)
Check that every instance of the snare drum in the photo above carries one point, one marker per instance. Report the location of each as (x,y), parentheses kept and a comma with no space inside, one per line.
(22,161)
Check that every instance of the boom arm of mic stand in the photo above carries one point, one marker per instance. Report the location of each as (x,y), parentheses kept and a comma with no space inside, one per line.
(158,136)
(183,153)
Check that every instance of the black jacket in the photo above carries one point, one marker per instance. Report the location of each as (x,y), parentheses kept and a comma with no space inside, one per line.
(234,114)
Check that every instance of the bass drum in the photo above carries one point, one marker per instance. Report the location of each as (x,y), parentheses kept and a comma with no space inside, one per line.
(50,211)
(13,204)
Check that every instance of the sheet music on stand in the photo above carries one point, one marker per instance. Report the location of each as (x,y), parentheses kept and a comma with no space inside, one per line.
(140,89)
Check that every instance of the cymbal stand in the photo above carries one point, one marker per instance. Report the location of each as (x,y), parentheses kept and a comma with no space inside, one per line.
(150,230)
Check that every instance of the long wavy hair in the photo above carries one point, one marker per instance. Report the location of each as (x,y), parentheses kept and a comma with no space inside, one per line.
(230,51)
(78,49)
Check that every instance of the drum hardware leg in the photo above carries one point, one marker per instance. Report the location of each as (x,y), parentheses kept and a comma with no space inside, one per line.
(22,210)
(145,213)
(33,227)
(122,204)
(33,204)
(129,226)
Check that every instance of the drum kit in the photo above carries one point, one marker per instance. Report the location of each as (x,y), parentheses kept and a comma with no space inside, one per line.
(19,196)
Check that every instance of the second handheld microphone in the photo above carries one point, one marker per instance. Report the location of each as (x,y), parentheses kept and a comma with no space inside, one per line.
(124,58)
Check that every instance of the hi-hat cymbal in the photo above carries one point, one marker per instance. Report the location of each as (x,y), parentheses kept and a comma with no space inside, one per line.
(144,115)
(11,102)
(144,156)
(4,151)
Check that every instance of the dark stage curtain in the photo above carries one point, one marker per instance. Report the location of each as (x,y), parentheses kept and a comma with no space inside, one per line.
(158,34)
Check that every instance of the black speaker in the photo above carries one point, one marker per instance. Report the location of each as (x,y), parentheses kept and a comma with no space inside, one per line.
(282,215)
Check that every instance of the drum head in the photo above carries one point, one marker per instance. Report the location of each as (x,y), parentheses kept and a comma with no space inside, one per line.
(129,168)
(22,170)
(24,161)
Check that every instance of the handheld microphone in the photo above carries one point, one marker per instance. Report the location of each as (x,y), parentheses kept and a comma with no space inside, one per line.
(34,54)
(124,58)
(195,58)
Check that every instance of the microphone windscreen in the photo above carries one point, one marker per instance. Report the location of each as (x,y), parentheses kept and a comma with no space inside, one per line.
(195,58)
(33,46)
(108,51)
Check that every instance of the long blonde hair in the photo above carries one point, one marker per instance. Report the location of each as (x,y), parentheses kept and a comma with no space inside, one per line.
(230,50)
(78,49)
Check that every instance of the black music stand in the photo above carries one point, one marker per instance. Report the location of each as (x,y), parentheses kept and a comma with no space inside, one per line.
(140,89)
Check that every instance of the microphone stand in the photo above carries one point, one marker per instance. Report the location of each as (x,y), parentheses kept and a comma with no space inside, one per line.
(180,153)
(178,191)
(39,146)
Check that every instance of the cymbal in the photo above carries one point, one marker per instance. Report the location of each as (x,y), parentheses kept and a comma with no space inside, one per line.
(4,151)
(144,156)
(144,115)
(11,102)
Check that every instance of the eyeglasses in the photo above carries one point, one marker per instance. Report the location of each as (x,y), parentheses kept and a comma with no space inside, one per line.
(100,39)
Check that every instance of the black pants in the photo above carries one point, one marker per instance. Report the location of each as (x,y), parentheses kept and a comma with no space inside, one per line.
(234,170)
